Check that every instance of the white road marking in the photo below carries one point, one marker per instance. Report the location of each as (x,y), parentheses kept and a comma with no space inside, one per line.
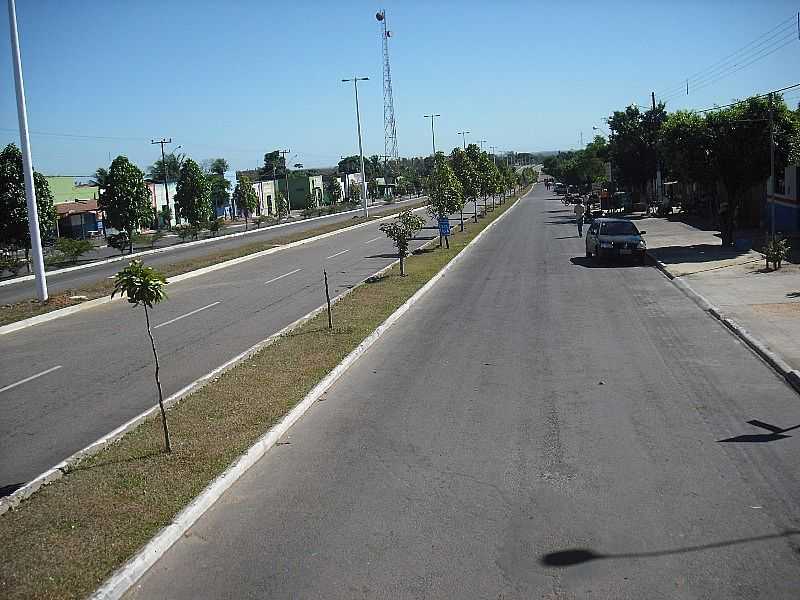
(189,314)
(31,378)
(282,276)
(337,254)
(373,239)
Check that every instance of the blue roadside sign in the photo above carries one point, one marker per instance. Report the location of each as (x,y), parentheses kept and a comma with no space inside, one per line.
(444,226)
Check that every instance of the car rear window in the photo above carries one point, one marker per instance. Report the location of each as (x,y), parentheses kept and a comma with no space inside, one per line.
(619,228)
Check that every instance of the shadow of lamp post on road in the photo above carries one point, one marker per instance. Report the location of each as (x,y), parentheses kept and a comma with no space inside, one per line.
(576,556)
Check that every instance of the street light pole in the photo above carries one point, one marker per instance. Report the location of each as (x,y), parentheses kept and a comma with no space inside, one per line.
(355,81)
(771,169)
(27,167)
(162,141)
(432,116)
(481,142)
(463,134)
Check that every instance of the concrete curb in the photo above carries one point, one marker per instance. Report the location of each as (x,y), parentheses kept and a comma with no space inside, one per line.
(790,375)
(126,576)
(63,312)
(210,240)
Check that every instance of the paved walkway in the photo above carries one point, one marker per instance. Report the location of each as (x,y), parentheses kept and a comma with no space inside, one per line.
(766,303)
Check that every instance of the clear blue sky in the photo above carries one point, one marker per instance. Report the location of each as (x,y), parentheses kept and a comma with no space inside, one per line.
(240,78)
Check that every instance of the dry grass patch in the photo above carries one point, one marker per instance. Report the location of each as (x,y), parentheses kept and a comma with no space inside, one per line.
(68,537)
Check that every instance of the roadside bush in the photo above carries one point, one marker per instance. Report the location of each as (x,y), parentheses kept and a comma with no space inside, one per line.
(215,226)
(71,250)
(186,231)
(119,241)
(148,239)
(263,220)
(776,251)
(9,261)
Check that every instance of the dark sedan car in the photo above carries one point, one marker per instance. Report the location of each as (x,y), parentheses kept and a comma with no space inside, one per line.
(615,237)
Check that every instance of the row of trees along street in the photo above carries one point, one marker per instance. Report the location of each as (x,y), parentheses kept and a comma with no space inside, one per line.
(718,157)
(201,188)
(465,176)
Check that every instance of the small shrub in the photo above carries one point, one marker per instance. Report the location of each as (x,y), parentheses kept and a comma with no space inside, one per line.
(71,249)
(215,226)
(9,261)
(776,251)
(186,231)
(119,241)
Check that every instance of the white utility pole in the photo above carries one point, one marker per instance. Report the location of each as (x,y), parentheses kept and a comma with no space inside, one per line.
(355,81)
(27,167)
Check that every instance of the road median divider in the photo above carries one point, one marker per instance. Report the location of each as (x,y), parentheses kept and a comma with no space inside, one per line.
(112,513)
(28,313)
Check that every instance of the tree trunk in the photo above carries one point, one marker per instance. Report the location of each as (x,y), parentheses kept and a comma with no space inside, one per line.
(402,264)
(158,383)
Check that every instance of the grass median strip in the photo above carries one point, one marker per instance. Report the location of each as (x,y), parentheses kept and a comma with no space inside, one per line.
(69,536)
(11,313)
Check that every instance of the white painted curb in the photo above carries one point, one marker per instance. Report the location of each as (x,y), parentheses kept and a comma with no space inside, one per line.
(63,312)
(210,240)
(790,375)
(126,576)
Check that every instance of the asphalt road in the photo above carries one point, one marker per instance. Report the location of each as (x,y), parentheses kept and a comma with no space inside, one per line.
(73,280)
(67,382)
(530,404)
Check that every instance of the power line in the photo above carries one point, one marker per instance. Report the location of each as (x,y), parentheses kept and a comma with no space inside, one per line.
(713,78)
(780,31)
(788,87)
(79,136)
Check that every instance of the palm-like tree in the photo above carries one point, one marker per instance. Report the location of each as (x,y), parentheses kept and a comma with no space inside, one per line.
(144,285)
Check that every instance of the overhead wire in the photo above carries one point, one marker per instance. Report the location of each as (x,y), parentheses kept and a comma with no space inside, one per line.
(713,78)
(779,33)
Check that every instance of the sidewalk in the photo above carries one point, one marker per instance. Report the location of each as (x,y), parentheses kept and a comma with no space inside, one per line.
(736,282)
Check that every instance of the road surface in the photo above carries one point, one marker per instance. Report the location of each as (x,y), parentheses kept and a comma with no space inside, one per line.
(74,280)
(531,404)
(67,382)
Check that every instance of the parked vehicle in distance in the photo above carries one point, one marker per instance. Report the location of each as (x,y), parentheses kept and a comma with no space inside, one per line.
(560,189)
(615,238)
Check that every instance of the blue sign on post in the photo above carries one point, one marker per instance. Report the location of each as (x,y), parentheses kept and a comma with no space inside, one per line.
(444,226)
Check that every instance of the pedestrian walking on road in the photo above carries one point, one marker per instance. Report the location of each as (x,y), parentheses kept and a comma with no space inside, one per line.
(579,210)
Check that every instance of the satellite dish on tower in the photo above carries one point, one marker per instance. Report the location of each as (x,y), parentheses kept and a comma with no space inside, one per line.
(380,15)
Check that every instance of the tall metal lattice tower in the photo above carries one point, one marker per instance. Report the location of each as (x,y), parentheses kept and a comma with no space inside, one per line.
(389,127)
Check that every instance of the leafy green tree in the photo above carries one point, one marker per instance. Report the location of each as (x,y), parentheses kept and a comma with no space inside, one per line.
(165,216)
(401,231)
(372,188)
(274,164)
(14,230)
(100,178)
(144,285)
(466,172)
(634,139)
(245,198)
(126,201)
(281,207)
(334,189)
(192,194)
(447,195)
(169,166)
(739,150)
(355,193)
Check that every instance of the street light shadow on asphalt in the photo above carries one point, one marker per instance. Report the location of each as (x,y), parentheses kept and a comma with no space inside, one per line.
(382,256)
(775,433)
(7,490)
(567,237)
(591,263)
(576,556)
